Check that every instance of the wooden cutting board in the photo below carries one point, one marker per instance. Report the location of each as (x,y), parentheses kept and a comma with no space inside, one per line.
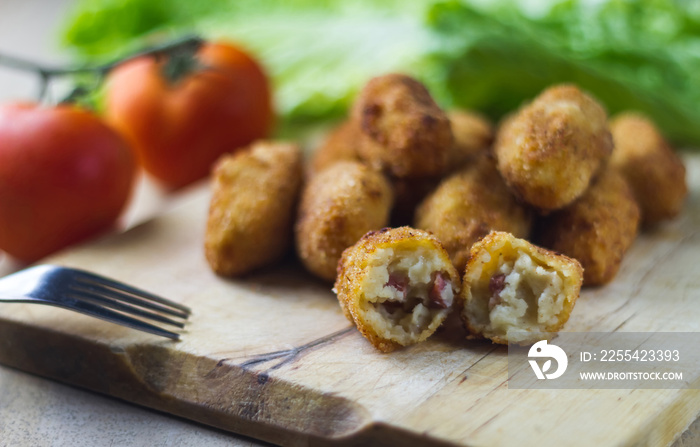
(272,356)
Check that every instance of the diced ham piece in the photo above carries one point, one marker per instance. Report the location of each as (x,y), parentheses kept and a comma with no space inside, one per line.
(398,282)
(436,292)
(496,286)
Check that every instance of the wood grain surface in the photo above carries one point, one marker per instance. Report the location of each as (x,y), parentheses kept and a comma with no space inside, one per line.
(272,357)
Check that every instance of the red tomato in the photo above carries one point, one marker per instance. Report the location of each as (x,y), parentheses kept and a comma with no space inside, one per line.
(64,176)
(178,130)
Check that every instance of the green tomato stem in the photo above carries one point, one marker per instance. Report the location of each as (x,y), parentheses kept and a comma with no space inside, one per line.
(46,73)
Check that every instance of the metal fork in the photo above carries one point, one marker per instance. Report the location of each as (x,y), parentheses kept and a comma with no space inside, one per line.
(93,295)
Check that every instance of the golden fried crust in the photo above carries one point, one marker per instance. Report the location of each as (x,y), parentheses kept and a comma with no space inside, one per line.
(480,297)
(404,132)
(655,173)
(340,145)
(597,229)
(468,205)
(473,135)
(338,206)
(551,149)
(353,268)
(254,194)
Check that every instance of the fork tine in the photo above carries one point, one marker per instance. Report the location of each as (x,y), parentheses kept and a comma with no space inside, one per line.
(122,307)
(104,291)
(92,278)
(116,317)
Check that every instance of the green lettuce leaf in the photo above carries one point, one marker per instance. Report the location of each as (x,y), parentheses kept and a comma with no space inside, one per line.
(642,56)
(488,55)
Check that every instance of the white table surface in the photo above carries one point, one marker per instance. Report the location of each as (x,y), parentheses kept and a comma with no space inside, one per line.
(39,412)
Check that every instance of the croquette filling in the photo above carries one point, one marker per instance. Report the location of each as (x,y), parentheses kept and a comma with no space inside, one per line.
(523,295)
(405,290)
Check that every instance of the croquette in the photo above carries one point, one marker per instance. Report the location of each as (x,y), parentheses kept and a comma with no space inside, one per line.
(397,286)
(338,206)
(473,135)
(339,145)
(549,151)
(597,229)
(514,292)
(468,205)
(653,170)
(251,214)
(404,132)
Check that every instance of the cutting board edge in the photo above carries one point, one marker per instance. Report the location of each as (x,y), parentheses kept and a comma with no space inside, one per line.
(97,366)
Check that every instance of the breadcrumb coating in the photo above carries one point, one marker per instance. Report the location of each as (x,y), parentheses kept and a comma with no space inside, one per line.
(340,145)
(653,170)
(251,215)
(473,135)
(549,151)
(468,205)
(597,229)
(405,133)
(338,206)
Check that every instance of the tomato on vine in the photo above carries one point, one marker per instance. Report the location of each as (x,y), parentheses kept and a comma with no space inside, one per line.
(180,113)
(66,175)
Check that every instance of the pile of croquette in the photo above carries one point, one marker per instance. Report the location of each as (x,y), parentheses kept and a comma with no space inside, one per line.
(415,212)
